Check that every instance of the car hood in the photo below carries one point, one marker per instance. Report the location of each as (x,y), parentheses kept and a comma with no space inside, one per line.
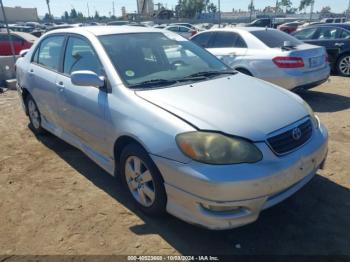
(238,105)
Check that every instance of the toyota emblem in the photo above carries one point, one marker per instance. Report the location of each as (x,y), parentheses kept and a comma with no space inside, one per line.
(296,133)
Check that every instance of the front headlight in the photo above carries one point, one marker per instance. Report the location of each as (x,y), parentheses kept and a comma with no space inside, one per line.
(314,118)
(215,148)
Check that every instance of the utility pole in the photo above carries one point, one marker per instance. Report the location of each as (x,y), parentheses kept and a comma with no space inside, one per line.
(48,7)
(348,12)
(8,32)
(251,10)
(113,9)
(312,10)
(88,9)
(276,11)
(219,6)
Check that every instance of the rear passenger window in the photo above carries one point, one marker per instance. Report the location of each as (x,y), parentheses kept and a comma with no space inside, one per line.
(326,33)
(202,39)
(80,56)
(50,51)
(344,34)
(240,43)
(224,39)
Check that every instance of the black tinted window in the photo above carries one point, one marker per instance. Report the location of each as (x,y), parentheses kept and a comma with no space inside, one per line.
(274,38)
(240,43)
(224,39)
(202,39)
(327,33)
(50,51)
(345,34)
(80,56)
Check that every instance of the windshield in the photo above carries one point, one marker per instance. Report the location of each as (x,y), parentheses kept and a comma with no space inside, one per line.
(275,38)
(158,57)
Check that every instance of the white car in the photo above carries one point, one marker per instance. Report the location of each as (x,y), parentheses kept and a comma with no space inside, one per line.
(268,54)
(184,31)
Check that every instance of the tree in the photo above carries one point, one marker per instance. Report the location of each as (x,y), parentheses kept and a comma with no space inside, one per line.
(325,12)
(211,8)
(305,3)
(287,4)
(48,17)
(66,16)
(96,16)
(73,13)
(190,8)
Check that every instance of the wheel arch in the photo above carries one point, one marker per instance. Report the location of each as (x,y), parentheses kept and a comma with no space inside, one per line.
(120,143)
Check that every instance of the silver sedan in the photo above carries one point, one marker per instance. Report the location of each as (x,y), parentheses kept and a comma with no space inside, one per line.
(268,54)
(185,133)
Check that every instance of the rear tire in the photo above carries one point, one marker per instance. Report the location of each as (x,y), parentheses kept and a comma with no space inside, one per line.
(34,116)
(142,180)
(343,65)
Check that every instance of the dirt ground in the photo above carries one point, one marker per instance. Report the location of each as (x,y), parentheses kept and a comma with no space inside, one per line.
(54,200)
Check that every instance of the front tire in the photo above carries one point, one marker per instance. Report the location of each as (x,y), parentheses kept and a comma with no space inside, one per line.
(34,116)
(343,65)
(142,180)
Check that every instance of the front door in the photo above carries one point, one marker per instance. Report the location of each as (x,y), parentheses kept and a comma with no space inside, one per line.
(82,108)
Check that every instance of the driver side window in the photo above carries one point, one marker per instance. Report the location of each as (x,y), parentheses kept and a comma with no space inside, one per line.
(80,55)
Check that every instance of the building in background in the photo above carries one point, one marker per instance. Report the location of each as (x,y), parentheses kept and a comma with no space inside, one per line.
(145,7)
(19,14)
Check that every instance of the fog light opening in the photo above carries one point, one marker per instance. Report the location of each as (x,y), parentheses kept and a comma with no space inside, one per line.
(222,209)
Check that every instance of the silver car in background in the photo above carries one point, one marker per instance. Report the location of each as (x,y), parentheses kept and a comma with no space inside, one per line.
(185,133)
(268,54)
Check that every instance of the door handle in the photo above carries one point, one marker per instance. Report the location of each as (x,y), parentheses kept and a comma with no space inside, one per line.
(31,71)
(60,84)
(339,44)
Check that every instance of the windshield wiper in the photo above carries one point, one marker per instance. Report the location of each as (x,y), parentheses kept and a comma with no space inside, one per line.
(210,74)
(154,82)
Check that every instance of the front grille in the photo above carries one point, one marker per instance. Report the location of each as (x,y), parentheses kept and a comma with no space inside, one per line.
(286,142)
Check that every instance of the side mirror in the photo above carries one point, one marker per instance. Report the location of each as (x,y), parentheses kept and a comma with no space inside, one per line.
(87,78)
(23,52)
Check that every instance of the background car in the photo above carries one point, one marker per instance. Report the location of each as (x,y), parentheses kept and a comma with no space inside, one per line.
(268,54)
(335,38)
(20,40)
(334,20)
(289,27)
(181,30)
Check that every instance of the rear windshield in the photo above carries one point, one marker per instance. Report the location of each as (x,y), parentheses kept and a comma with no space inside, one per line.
(275,38)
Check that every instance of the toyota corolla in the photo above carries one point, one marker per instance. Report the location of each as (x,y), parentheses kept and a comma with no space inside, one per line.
(185,133)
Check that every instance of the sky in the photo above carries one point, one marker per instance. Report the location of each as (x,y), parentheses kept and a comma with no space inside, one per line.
(105,6)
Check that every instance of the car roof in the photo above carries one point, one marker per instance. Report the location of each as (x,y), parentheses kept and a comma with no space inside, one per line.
(107,30)
(241,29)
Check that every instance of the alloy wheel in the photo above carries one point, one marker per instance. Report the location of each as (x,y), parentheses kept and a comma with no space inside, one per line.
(34,114)
(140,181)
(344,65)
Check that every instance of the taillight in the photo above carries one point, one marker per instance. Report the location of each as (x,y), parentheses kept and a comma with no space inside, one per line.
(288,62)
(193,32)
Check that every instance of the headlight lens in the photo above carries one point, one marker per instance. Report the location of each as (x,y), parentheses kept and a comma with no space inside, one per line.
(214,148)
(314,118)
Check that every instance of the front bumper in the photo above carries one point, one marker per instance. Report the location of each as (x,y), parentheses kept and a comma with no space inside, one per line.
(292,79)
(246,188)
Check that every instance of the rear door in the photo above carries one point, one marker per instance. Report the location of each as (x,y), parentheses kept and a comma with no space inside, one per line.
(42,74)
(327,37)
(82,108)
(229,47)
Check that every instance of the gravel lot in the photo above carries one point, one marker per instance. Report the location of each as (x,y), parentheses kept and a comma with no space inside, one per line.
(54,200)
